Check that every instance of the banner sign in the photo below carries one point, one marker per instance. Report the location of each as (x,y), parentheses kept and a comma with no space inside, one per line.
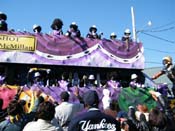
(16,42)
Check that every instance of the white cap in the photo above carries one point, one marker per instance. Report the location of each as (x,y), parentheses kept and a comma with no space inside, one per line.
(73,23)
(93,26)
(37,74)
(2,13)
(91,77)
(133,76)
(35,26)
(113,34)
(127,31)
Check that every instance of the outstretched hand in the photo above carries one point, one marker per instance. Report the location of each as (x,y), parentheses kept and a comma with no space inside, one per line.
(154,94)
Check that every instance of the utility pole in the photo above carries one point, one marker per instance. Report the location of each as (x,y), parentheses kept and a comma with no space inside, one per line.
(133,25)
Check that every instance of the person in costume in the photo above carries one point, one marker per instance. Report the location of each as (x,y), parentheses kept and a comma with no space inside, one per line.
(113,36)
(64,82)
(113,80)
(127,35)
(56,26)
(40,76)
(84,81)
(93,32)
(3,24)
(169,70)
(91,81)
(127,38)
(37,28)
(73,30)
(135,83)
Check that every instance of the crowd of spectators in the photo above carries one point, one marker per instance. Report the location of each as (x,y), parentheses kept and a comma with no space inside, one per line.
(85,115)
(45,113)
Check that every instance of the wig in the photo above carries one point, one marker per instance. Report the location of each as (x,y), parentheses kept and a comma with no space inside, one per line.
(57,24)
(3,16)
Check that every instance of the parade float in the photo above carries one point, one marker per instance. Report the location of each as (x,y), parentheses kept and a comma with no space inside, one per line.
(20,51)
(44,49)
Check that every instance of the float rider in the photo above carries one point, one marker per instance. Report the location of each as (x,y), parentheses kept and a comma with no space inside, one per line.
(169,70)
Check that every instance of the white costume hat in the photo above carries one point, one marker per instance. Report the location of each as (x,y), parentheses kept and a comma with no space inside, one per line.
(37,74)
(35,26)
(127,31)
(91,77)
(133,76)
(113,34)
(94,26)
(73,23)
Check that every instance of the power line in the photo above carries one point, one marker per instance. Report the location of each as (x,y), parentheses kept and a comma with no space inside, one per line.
(162,26)
(153,62)
(160,38)
(160,30)
(156,50)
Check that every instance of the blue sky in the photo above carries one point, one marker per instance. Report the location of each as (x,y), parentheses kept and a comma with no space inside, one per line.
(108,15)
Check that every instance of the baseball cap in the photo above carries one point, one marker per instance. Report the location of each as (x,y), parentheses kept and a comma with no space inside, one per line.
(91,98)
